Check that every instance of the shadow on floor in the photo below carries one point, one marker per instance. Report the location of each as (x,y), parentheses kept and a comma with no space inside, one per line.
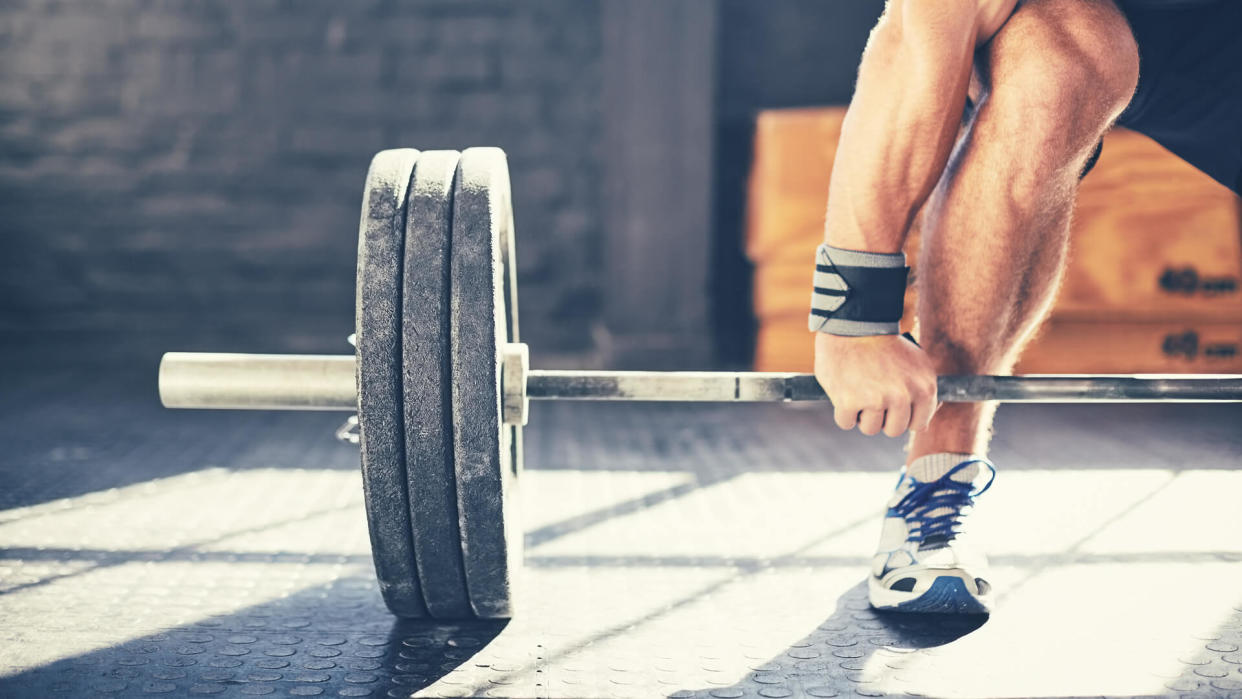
(834,659)
(334,639)
(858,651)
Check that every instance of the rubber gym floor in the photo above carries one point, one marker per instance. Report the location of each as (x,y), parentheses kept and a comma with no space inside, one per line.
(671,551)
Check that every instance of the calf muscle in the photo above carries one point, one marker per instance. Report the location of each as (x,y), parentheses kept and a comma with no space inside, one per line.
(996,228)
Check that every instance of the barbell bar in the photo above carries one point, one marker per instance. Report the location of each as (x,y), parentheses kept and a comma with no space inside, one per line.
(441,382)
(327,382)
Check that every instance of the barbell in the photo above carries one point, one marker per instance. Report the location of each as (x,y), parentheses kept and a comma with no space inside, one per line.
(441,383)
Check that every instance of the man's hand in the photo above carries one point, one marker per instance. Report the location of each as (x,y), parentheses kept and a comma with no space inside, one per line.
(883,382)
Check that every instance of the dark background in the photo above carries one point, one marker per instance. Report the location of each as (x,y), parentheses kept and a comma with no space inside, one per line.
(187,174)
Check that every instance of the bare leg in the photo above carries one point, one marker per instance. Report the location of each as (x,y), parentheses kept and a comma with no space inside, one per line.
(995,230)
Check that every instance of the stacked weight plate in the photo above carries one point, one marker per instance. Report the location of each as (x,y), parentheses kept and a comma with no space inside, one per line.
(437,301)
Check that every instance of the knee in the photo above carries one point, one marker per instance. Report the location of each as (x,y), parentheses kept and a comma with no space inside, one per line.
(1063,67)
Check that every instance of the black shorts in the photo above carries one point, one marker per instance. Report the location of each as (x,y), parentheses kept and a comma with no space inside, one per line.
(1189,96)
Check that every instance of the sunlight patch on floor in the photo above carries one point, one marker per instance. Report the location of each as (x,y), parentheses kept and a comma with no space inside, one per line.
(1106,629)
(162,601)
(185,510)
(158,555)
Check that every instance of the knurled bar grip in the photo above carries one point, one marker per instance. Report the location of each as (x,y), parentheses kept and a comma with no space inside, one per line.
(323,382)
(779,387)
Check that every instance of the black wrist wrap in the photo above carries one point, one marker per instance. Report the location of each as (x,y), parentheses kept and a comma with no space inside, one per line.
(857,293)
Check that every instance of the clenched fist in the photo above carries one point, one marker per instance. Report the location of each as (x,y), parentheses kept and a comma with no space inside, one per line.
(882,382)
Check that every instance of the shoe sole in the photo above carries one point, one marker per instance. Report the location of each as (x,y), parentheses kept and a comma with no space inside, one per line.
(947,595)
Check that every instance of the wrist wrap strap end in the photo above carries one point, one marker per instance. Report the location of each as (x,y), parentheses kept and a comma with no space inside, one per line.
(857,293)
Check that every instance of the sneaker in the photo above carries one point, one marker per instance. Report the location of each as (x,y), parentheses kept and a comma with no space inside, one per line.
(921,565)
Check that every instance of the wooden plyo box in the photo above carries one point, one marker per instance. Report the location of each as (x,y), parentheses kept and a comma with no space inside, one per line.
(794,150)
(1155,253)
(1062,347)
(1091,347)
(1153,239)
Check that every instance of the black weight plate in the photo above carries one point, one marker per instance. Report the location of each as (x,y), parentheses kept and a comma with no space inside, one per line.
(381,425)
(428,394)
(486,496)
(508,259)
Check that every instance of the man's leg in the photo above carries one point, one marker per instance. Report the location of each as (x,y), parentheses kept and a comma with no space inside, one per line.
(995,233)
(995,230)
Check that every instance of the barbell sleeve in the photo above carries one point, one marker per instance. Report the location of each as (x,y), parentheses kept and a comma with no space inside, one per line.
(233,381)
(327,382)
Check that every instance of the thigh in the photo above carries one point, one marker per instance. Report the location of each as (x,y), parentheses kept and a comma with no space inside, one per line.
(1189,96)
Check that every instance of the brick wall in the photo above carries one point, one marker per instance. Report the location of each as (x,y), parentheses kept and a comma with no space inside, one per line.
(189,171)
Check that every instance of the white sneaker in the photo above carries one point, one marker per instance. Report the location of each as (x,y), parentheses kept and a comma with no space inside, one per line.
(921,564)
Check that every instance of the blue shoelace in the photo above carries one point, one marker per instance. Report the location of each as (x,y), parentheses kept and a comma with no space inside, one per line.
(944,493)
